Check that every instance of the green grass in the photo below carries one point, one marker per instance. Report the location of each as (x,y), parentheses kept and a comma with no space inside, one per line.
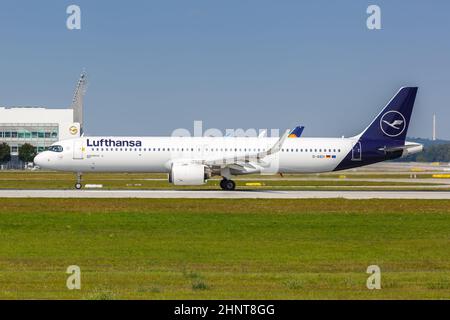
(224,249)
(142,181)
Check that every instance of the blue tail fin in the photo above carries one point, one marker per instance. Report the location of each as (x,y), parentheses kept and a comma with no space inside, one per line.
(297,132)
(391,124)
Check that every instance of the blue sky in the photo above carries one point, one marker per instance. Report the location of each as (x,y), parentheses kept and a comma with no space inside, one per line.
(159,65)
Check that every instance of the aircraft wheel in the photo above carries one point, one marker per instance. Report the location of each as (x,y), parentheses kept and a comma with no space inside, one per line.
(78,184)
(228,185)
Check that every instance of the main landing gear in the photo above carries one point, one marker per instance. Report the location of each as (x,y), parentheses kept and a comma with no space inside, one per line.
(227,184)
(78,185)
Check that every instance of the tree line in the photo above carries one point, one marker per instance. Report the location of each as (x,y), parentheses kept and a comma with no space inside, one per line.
(433,153)
(27,152)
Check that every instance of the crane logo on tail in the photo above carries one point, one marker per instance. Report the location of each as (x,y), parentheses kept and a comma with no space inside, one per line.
(392,123)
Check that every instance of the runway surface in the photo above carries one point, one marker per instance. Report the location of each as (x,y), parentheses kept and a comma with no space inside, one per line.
(216,194)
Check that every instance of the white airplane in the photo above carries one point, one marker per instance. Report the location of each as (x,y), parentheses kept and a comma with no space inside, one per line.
(193,160)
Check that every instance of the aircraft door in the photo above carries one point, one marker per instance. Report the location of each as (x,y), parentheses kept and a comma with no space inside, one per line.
(78,149)
(356,151)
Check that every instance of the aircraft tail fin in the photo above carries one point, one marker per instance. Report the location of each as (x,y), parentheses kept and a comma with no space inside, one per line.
(391,124)
(297,132)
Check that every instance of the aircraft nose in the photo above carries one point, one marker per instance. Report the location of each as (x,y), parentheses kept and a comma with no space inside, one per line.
(40,159)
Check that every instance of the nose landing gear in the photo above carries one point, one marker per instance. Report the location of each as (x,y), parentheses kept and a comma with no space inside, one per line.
(78,185)
(227,184)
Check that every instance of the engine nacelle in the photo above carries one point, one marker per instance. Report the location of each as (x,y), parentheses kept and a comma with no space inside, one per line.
(188,174)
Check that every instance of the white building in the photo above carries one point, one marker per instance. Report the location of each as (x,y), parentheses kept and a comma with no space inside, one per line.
(40,127)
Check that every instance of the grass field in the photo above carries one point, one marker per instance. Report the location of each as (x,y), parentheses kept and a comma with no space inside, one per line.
(60,180)
(206,249)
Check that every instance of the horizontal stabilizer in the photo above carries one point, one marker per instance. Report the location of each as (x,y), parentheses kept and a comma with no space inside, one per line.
(408,148)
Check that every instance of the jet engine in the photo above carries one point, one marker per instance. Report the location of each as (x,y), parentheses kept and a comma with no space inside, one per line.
(188,174)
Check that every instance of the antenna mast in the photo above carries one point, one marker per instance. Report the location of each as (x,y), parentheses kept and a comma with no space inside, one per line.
(77,101)
(434,127)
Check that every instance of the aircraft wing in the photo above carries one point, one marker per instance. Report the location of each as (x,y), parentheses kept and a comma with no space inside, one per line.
(248,161)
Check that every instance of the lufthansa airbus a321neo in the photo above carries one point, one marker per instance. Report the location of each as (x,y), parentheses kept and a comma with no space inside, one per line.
(193,160)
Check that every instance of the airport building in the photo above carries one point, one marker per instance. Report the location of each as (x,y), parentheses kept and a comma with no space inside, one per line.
(38,126)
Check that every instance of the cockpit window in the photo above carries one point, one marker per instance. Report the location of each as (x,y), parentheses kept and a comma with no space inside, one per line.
(55,148)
